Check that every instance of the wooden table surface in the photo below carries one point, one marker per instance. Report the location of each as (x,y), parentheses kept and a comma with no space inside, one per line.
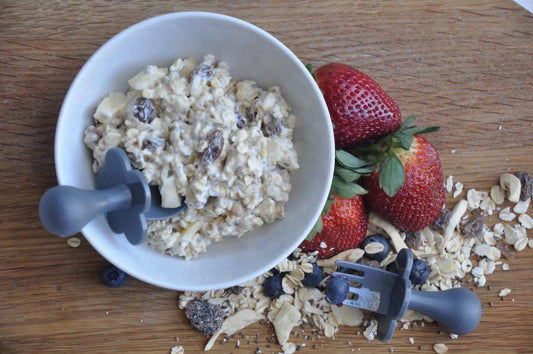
(464,65)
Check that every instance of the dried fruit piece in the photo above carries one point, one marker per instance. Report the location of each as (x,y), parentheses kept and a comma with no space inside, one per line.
(272,126)
(203,316)
(152,144)
(474,226)
(505,249)
(413,240)
(239,120)
(144,110)
(215,143)
(526,182)
(442,220)
(203,72)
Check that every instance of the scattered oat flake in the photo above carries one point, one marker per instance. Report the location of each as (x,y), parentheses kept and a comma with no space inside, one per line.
(504,292)
(74,242)
(177,349)
(440,348)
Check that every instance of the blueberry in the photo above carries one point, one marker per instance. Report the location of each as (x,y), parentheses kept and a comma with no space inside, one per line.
(114,277)
(419,272)
(272,287)
(337,289)
(378,256)
(312,279)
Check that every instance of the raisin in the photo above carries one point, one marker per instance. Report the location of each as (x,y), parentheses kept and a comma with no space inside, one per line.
(413,240)
(251,113)
(506,250)
(240,121)
(474,226)
(215,142)
(236,290)
(203,72)
(144,110)
(152,144)
(442,220)
(527,185)
(273,127)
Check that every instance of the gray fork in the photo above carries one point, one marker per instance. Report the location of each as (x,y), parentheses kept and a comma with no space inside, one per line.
(389,295)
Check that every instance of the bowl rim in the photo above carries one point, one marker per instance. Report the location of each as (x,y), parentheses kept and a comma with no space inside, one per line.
(177,16)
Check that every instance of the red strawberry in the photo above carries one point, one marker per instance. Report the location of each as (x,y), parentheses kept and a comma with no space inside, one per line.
(359,108)
(344,227)
(420,198)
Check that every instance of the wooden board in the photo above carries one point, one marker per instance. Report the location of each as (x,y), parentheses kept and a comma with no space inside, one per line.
(464,65)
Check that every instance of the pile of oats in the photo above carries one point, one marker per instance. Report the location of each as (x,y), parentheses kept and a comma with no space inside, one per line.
(459,247)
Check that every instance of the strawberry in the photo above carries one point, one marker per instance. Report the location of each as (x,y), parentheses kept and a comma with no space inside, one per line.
(344,226)
(420,196)
(359,108)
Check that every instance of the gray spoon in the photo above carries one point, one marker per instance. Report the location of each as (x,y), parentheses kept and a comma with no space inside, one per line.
(122,195)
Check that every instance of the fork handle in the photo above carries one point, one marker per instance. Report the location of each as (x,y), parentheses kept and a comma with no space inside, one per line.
(457,310)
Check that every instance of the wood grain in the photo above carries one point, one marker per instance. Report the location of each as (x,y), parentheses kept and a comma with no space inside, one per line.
(463,65)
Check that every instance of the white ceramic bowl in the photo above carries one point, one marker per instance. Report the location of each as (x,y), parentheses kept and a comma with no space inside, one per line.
(251,53)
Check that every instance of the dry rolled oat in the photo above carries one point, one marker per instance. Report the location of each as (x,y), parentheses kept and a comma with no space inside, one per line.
(440,348)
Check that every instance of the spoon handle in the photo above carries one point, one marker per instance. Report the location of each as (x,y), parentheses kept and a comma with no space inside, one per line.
(457,310)
(65,210)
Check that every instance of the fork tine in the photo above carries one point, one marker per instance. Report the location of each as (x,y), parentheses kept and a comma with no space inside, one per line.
(366,299)
(351,277)
(373,278)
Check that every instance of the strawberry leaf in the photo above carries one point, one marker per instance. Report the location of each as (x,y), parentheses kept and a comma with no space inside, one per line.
(348,160)
(309,67)
(327,206)
(317,227)
(420,130)
(346,190)
(407,122)
(391,175)
(346,174)
(404,139)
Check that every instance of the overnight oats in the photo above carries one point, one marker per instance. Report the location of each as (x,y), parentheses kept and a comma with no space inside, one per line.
(224,145)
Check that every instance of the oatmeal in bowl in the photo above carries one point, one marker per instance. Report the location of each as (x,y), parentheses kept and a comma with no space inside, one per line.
(223,145)
(215,110)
